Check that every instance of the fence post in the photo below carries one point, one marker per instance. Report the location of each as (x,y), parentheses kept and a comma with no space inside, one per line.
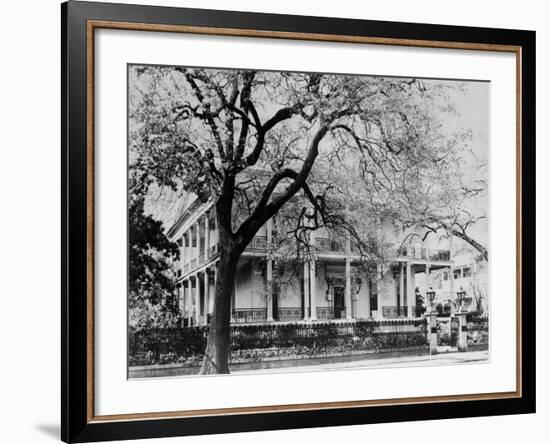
(433,332)
(462,332)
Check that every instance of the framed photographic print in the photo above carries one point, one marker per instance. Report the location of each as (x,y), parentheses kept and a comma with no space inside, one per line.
(276,221)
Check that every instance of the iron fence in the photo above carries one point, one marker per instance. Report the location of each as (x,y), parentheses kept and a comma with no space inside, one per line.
(249,315)
(477,329)
(171,345)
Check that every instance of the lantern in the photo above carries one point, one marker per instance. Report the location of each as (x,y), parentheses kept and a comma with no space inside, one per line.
(461,295)
(431,294)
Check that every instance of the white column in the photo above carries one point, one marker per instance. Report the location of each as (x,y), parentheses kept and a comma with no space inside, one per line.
(269,231)
(269,293)
(179,298)
(313,290)
(190,296)
(182,253)
(402,291)
(306,291)
(196,299)
(197,240)
(206,234)
(410,290)
(427,278)
(452,295)
(347,293)
(183,299)
(188,301)
(206,295)
(184,250)
(269,271)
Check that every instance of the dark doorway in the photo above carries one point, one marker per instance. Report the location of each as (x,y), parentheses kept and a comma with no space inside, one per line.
(373,295)
(339,303)
(275,302)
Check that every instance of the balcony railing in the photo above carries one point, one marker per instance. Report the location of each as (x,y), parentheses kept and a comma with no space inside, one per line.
(193,264)
(186,268)
(289,314)
(325,312)
(326,245)
(249,315)
(201,257)
(212,251)
(426,253)
(257,243)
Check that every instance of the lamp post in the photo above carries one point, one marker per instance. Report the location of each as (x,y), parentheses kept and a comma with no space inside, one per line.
(431,296)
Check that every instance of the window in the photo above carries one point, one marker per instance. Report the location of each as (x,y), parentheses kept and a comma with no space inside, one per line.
(445,275)
(457,274)
(467,272)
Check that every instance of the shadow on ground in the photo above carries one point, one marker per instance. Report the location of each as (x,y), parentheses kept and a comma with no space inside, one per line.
(51,430)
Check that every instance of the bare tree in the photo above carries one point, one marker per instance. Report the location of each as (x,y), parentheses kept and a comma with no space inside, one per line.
(264,143)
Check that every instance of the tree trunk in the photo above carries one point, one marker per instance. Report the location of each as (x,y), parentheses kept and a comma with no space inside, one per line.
(216,357)
(482,250)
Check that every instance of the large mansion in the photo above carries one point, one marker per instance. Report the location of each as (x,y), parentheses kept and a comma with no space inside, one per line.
(330,286)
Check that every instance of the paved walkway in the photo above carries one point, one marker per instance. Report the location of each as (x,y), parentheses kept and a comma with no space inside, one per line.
(407,361)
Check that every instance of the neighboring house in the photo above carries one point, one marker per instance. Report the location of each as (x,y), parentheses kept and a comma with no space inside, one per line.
(329,286)
(469,284)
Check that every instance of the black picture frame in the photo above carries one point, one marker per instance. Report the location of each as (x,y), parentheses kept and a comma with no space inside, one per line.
(77,424)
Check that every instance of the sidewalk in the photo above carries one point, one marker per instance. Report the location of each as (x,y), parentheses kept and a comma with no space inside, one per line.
(407,361)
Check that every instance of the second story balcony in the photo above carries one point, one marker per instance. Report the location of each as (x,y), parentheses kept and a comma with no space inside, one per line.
(258,243)
(212,251)
(327,245)
(426,253)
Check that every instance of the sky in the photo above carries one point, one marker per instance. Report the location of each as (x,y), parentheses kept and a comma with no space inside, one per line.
(471,103)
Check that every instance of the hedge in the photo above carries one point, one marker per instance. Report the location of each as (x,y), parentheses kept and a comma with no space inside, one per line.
(186,345)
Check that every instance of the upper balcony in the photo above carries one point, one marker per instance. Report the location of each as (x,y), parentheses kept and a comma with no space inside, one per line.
(427,254)
(258,243)
(322,245)
(327,245)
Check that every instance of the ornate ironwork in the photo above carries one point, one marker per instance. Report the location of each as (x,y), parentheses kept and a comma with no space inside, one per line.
(325,312)
(326,245)
(426,253)
(212,251)
(249,315)
(257,243)
(289,314)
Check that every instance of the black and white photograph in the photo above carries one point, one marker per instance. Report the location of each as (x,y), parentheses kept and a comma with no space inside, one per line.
(274,222)
(303,221)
